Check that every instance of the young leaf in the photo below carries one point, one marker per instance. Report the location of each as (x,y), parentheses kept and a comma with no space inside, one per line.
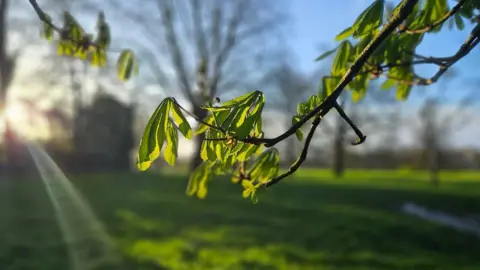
(228,105)
(211,154)
(181,121)
(298,132)
(171,150)
(153,137)
(459,21)
(203,150)
(202,128)
(339,66)
(389,83)
(197,183)
(252,122)
(247,151)
(358,86)
(127,65)
(403,91)
(266,166)
(328,85)
(239,100)
(369,20)
(98,58)
(326,54)
(249,190)
(71,29)
(345,34)
(103,32)
(47,28)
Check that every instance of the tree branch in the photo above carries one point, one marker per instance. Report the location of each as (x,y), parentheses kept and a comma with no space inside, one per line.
(303,155)
(173,45)
(404,9)
(43,16)
(433,25)
(361,136)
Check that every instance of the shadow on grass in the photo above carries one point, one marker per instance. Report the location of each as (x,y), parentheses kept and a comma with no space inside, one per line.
(294,226)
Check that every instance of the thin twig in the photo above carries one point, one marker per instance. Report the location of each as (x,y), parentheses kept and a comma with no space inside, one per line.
(361,136)
(43,16)
(433,25)
(404,9)
(301,158)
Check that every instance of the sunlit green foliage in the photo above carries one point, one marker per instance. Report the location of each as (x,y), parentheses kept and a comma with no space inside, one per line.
(381,42)
(73,41)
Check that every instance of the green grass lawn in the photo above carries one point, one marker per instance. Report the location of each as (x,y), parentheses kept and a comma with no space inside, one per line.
(307,222)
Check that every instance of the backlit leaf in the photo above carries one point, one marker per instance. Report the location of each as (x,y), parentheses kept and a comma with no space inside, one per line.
(345,34)
(127,65)
(369,20)
(153,137)
(326,54)
(181,121)
(171,149)
(197,182)
(47,28)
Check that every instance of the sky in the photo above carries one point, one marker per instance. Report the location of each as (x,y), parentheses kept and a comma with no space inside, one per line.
(315,23)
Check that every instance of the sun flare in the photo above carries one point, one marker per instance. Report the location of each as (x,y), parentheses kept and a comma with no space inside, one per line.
(17,117)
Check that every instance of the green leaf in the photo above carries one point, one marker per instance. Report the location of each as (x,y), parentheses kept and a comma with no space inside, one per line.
(202,128)
(389,83)
(203,150)
(253,121)
(248,188)
(326,54)
(127,65)
(266,166)
(103,32)
(153,136)
(313,102)
(247,151)
(339,66)
(211,154)
(328,86)
(71,28)
(181,121)
(47,28)
(239,100)
(197,182)
(459,21)
(369,20)
(359,87)
(345,34)
(298,132)
(98,58)
(230,104)
(171,150)
(403,91)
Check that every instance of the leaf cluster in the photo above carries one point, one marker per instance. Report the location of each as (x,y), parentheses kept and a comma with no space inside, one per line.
(381,42)
(73,41)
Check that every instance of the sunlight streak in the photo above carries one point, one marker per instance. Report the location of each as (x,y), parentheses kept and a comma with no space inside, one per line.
(87,241)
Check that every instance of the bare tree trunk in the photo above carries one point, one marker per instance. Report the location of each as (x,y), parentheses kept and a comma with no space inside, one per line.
(7,64)
(339,150)
(290,146)
(338,145)
(433,165)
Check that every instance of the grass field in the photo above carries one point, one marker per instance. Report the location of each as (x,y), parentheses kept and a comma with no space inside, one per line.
(307,222)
